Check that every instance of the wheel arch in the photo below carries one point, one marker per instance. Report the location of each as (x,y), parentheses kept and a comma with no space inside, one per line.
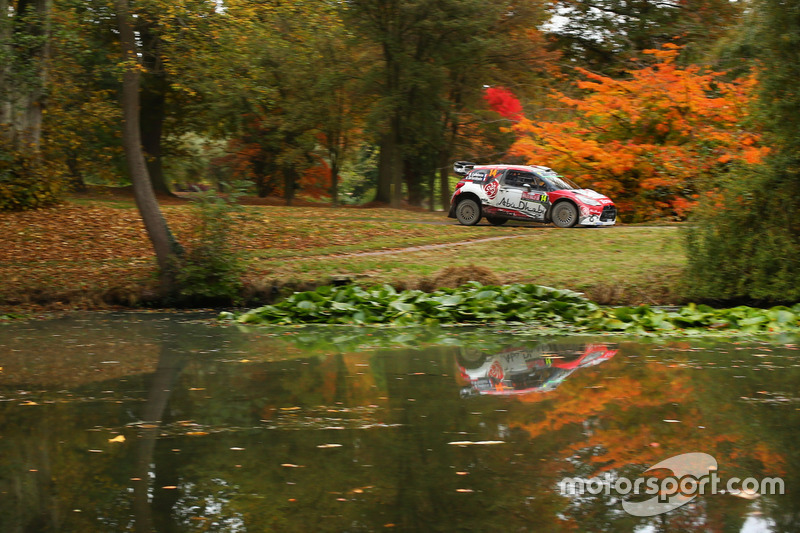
(469,195)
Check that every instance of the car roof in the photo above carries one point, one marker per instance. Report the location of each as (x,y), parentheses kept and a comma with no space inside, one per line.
(527,168)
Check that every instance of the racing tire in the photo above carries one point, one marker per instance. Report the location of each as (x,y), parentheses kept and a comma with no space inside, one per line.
(496,221)
(468,212)
(564,215)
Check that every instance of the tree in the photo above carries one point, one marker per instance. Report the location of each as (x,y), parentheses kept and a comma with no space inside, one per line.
(607,35)
(83,113)
(746,244)
(24,51)
(294,102)
(431,70)
(655,141)
(165,246)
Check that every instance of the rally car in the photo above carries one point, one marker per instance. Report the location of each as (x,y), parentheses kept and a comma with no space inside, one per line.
(533,193)
(525,370)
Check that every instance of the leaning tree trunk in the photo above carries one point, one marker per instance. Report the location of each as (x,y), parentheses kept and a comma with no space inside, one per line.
(164,245)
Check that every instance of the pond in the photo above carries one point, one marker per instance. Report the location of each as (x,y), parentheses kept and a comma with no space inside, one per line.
(171,423)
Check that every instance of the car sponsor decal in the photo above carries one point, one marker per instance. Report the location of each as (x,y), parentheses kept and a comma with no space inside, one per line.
(535,196)
(491,188)
(496,371)
(535,210)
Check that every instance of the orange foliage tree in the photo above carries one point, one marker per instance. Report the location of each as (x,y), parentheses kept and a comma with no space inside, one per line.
(654,141)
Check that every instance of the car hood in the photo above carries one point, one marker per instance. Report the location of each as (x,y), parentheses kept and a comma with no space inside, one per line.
(594,195)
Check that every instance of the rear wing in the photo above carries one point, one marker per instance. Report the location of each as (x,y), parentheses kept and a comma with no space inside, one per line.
(462,168)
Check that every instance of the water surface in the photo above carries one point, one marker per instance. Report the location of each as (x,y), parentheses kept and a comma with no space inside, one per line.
(163,422)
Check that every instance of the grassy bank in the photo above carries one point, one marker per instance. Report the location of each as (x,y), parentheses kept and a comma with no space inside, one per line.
(91,253)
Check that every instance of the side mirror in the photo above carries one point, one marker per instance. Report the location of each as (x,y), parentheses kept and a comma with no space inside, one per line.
(527,186)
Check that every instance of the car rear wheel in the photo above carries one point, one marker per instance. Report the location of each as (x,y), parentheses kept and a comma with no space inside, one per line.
(496,221)
(468,212)
(565,215)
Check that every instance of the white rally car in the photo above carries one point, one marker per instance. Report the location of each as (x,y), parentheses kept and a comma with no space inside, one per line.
(519,192)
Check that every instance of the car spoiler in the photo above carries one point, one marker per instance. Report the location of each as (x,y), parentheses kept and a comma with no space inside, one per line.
(462,168)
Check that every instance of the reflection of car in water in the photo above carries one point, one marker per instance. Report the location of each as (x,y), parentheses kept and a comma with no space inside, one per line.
(519,371)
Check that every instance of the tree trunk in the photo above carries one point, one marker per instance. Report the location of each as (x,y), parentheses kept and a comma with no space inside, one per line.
(444,180)
(290,184)
(432,189)
(335,183)
(153,89)
(395,165)
(152,116)
(383,189)
(164,245)
(413,179)
(23,78)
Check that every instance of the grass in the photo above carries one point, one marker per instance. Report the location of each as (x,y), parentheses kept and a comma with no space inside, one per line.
(632,264)
(89,253)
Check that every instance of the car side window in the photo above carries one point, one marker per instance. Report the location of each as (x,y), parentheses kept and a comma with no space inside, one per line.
(518,178)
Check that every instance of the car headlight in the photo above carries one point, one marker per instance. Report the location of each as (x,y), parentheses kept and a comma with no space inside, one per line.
(588,201)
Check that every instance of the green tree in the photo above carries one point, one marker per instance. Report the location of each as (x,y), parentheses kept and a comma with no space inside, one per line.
(435,57)
(604,35)
(746,244)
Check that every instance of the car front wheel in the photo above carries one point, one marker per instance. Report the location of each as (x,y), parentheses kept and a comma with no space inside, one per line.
(565,215)
(468,212)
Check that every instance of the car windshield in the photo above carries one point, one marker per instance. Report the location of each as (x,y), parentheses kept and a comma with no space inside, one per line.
(558,182)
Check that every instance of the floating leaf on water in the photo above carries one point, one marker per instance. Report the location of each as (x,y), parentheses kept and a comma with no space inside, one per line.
(290,465)
(118,438)
(237,449)
(478,443)
(196,433)
(329,445)
(198,388)
(169,487)
(464,490)
(671,421)
(289,408)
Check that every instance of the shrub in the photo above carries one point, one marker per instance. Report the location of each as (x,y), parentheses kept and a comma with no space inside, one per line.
(745,246)
(210,269)
(27,181)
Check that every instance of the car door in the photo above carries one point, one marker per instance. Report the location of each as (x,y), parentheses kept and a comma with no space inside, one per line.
(523,195)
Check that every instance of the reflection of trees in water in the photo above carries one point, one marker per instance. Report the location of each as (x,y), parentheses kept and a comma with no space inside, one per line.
(403,474)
